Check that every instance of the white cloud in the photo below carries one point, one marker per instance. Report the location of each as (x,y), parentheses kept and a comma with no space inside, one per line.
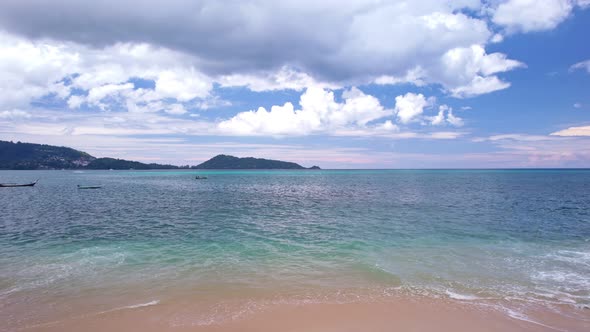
(30,70)
(14,114)
(515,137)
(581,65)
(176,109)
(469,71)
(281,45)
(183,86)
(75,101)
(463,71)
(34,69)
(497,38)
(387,126)
(480,85)
(439,119)
(96,94)
(290,45)
(283,79)
(415,76)
(531,15)
(410,106)
(573,131)
(454,120)
(319,113)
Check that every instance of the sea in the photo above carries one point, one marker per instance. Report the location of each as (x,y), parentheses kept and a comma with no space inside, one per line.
(509,240)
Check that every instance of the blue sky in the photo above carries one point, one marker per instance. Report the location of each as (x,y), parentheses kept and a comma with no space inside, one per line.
(340,84)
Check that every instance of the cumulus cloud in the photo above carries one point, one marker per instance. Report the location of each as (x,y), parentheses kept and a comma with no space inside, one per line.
(532,15)
(262,45)
(282,79)
(573,131)
(75,101)
(96,94)
(319,112)
(358,114)
(454,120)
(470,71)
(463,71)
(176,109)
(584,65)
(36,69)
(182,86)
(30,70)
(440,118)
(410,106)
(316,47)
(416,76)
(328,38)
(14,114)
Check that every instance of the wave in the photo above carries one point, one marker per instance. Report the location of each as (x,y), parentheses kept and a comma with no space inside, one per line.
(523,317)
(81,264)
(462,297)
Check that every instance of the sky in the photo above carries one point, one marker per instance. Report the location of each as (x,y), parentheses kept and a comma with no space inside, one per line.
(339,84)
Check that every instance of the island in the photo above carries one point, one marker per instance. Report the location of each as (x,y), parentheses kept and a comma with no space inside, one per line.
(31,156)
(223,161)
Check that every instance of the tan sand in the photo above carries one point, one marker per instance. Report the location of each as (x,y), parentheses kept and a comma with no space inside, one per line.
(399,314)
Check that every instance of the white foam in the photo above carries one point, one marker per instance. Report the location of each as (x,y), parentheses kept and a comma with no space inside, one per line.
(133,306)
(522,317)
(567,280)
(462,297)
(579,259)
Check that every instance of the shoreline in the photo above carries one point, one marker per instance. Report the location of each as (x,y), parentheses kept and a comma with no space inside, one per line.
(388,313)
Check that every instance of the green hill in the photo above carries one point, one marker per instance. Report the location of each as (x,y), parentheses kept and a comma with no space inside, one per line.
(112,163)
(230,162)
(40,156)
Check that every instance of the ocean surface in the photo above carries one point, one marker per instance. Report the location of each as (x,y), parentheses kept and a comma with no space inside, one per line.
(507,238)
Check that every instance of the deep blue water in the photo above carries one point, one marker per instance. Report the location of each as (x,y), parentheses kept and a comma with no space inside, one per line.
(505,234)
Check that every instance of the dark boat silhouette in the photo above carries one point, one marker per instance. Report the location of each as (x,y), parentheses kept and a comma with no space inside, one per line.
(89,187)
(10,185)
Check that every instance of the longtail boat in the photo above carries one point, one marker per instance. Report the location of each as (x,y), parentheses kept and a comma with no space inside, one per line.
(89,187)
(10,185)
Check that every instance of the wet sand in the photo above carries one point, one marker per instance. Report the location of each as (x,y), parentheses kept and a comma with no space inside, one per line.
(392,315)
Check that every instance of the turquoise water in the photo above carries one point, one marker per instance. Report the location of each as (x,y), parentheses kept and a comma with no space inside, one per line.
(516,235)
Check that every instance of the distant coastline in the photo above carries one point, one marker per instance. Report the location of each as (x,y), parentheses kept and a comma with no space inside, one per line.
(30,156)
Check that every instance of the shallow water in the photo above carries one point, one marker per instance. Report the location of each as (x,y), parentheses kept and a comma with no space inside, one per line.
(517,236)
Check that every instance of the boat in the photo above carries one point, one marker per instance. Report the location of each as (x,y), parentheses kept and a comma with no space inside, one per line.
(89,187)
(8,185)
(200,177)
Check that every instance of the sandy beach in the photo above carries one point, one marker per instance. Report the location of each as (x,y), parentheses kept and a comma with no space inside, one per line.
(392,314)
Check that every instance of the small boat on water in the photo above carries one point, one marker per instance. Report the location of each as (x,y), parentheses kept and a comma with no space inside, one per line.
(89,187)
(10,185)
(200,177)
